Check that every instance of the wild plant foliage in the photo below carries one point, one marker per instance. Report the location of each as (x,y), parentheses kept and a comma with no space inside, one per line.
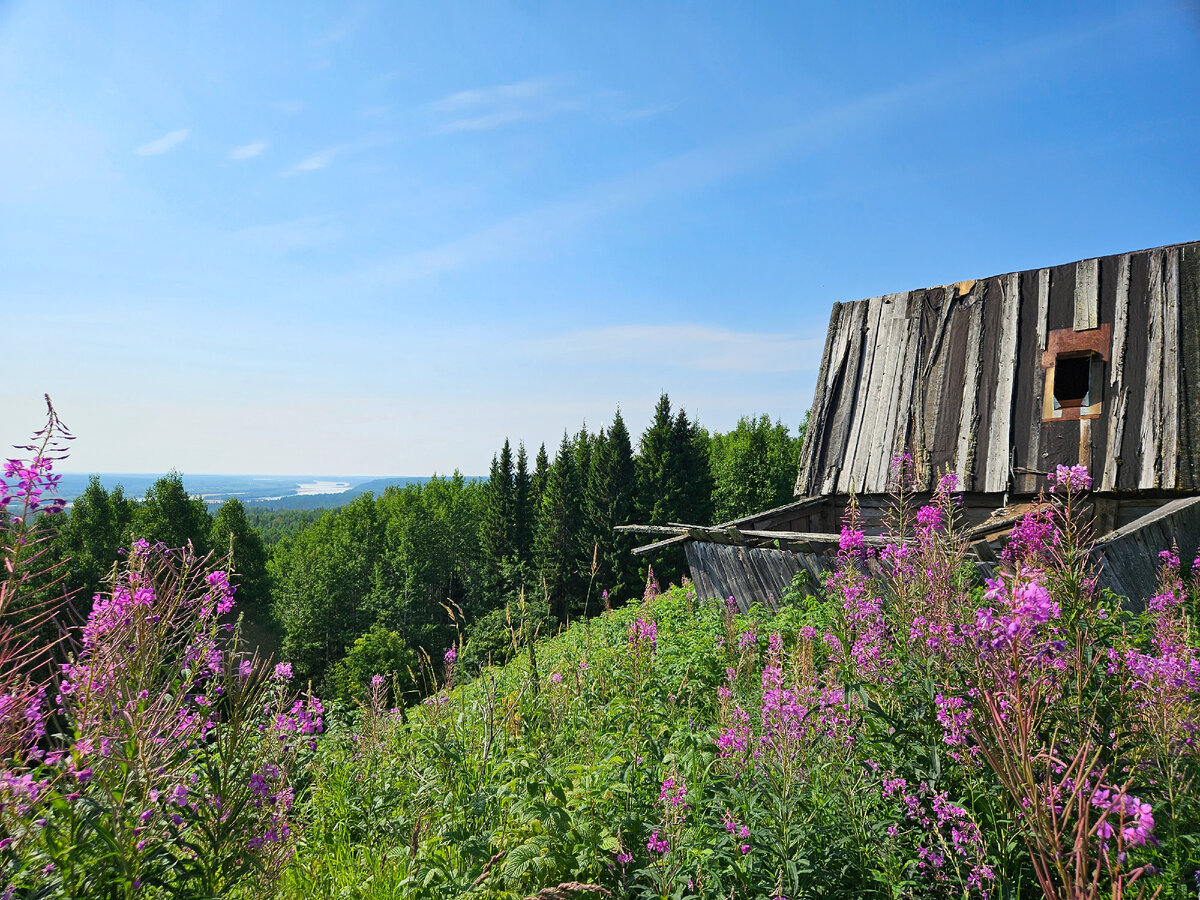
(911,731)
(147,755)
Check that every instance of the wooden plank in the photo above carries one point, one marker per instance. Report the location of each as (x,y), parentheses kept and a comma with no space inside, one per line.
(1117,401)
(1152,400)
(660,545)
(1027,389)
(1061,311)
(990,295)
(832,360)
(844,402)
(1043,318)
(1189,368)
(889,433)
(964,460)
(851,478)
(1170,370)
(1137,344)
(1087,294)
(908,396)
(877,472)
(998,459)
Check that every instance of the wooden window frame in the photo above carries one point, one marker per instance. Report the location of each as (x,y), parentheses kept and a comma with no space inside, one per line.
(1067,342)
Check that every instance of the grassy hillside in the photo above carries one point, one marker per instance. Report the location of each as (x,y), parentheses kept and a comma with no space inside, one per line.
(917,735)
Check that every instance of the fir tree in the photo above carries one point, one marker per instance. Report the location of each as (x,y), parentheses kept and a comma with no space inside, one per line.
(498,514)
(611,501)
(557,549)
(541,471)
(690,472)
(523,509)
(655,487)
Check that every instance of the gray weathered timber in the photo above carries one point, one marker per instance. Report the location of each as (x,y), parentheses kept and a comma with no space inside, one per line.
(1129,556)
(957,376)
(748,574)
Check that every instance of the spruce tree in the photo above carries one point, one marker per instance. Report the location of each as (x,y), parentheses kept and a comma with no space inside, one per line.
(541,471)
(557,549)
(523,509)
(612,501)
(690,471)
(655,498)
(497,521)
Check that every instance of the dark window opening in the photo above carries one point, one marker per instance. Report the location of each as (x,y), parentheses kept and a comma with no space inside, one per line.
(1072,381)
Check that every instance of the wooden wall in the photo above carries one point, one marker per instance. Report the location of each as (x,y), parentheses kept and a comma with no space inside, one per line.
(954,375)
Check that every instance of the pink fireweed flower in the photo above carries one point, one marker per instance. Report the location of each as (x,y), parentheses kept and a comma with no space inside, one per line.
(1032,540)
(947,484)
(556,677)
(643,632)
(1131,815)
(673,792)
(450,655)
(220,592)
(929,517)
(1025,605)
(851,541)
(283,671)
(1070,479)
(657,844)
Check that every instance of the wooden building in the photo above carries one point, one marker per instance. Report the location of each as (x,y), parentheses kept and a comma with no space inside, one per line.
(999,380)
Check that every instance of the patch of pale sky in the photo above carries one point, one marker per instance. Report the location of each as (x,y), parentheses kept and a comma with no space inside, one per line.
(282,238)
(702,347)
(290,107)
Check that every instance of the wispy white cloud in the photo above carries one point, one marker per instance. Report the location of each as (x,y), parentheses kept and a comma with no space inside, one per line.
(708,349)
(168,141)
(481,109)
(248,151)
(312,163)
(476,98)
(324,158)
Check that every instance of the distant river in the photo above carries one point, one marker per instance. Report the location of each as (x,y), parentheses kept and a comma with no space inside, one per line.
(322,487)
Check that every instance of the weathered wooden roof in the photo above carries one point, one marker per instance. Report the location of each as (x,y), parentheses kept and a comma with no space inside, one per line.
(961,376)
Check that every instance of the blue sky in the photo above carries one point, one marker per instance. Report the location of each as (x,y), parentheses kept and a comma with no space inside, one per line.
(378,238)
